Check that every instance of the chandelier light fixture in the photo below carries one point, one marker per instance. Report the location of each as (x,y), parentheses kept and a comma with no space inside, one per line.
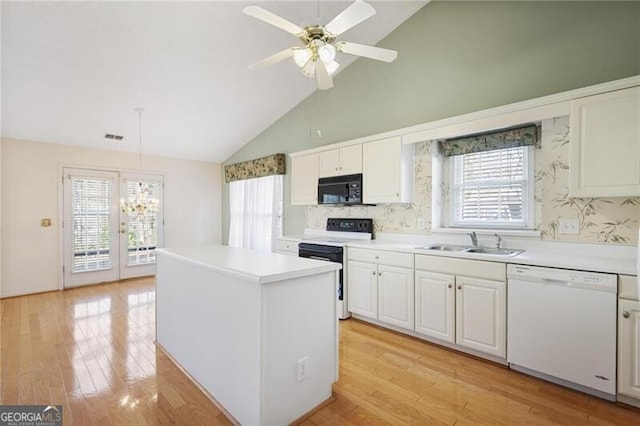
(140,204)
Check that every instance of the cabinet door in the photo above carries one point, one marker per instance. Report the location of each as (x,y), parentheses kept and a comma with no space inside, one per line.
(329,163)
(304,180)
(435,305)
(351,160)
(362,289)
(381,170)
(629,348)
(396,296)
(605,140)
(481,315)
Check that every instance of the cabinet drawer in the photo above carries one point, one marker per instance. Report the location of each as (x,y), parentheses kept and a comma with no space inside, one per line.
(471,268)
(287,246)
(391,258)
(628,287)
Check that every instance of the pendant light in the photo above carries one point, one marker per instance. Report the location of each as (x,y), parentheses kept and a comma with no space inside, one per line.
(139,204)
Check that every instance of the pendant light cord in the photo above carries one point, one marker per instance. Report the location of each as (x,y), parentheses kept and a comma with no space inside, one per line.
(140,111)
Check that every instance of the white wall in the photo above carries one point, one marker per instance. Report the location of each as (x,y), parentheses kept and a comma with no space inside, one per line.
(30,191)
(0,216)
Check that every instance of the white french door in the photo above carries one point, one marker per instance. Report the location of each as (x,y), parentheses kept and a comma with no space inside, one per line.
(105,238)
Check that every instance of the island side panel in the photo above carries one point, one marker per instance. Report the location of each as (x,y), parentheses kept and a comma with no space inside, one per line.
(299,320)
(210,324)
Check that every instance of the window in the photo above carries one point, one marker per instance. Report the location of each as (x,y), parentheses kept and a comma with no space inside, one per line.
(256,212)
(492,189)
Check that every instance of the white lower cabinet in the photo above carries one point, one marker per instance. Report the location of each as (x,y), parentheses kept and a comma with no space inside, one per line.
(362,293)
(286,246)
(395,296)
(435,305)
(380,286)
(481,315)
(629,348)
(462,302)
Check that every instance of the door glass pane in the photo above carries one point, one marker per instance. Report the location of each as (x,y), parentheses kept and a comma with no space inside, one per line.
(143,199)
(91,229)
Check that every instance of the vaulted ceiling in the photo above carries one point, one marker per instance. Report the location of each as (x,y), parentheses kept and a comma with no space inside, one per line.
(75,71)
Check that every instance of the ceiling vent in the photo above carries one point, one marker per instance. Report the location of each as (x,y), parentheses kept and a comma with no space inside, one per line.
(113,137)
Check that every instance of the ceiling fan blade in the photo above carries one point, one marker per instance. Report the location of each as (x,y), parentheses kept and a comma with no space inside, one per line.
(350,17)
(270,60)
(324,79)
(273,19)
(370,52)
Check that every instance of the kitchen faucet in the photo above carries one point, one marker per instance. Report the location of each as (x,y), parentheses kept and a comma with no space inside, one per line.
(474,238)
(498,240)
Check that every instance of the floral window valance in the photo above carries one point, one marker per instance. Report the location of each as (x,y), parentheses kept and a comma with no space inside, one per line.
(503,139)
(265,166)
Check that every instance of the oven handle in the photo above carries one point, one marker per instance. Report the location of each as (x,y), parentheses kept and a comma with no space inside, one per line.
(320,258)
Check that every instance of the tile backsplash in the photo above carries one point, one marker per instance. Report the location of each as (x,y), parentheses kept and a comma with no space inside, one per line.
(601,220)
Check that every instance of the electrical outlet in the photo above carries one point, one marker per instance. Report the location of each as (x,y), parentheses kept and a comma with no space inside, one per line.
(421,223)
(568,226)
(302,369)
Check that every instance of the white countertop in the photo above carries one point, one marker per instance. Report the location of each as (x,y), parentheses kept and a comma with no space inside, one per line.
(251,265)
(608,258)
(584,257)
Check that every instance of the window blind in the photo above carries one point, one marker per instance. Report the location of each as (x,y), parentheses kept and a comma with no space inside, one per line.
(91,226)
(491,188)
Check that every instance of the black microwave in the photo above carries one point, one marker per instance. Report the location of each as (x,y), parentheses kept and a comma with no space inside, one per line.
(345,190)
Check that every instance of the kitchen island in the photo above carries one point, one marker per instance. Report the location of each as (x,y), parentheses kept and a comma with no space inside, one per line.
(256,331)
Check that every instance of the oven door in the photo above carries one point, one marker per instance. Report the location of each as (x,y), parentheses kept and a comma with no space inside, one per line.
(326,253)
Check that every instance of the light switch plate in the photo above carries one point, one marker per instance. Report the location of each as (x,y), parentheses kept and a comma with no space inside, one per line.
(569,226)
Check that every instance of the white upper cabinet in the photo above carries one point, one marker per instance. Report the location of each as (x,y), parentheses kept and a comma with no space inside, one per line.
(340,161)
(387,167)
(304,180)
(605,139)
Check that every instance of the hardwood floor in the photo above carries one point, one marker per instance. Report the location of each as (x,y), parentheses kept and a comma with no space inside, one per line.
(92,350)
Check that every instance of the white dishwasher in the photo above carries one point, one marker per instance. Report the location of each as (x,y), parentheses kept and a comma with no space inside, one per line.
(561,327)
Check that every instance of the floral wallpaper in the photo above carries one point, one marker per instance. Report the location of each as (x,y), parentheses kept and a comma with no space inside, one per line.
(601,220)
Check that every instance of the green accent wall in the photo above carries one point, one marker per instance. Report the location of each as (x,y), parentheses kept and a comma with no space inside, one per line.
(456,58)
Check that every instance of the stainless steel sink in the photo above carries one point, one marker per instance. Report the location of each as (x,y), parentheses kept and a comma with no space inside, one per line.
(468,249)
(444,247)
(494,251)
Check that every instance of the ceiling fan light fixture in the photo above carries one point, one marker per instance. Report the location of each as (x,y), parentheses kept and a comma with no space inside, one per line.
(327,53)
(316,58)
(309,69)
(332,67)
(302,56)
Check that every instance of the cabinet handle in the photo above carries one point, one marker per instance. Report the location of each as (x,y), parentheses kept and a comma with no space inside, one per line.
(449,286)
(377,257)
(397,194)
(374,272)
(379,274)
(626,314)
(460,287)
(337,169)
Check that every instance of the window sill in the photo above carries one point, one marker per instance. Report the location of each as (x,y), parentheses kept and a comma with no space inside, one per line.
(525,233)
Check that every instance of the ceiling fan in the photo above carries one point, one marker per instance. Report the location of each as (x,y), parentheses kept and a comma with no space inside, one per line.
(316,57)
